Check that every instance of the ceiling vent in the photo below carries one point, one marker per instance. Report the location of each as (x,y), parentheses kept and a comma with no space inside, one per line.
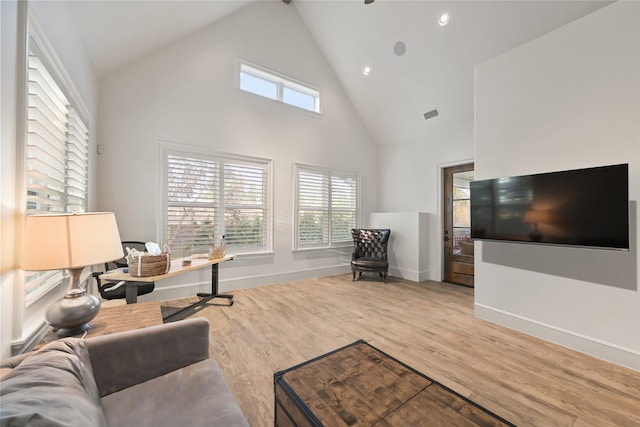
(430,114)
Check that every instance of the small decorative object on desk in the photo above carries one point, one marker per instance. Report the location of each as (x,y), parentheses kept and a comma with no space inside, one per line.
(217,250)
(143,264)
(186,260)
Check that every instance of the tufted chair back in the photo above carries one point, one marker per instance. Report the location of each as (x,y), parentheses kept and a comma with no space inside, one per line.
(370,251)
(370,243)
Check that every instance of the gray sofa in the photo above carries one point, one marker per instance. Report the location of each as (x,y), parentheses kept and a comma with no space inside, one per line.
(156,376)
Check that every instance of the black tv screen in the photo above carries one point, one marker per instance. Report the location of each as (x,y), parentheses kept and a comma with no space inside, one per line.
(582,207)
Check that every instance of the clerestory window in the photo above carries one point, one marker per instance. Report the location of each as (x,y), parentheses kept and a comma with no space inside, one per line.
(269,84)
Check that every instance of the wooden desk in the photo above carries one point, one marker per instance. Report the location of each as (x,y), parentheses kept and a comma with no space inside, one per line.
(117,319)
(175,269)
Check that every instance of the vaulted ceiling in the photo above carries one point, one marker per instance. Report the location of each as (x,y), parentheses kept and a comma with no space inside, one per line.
(433,71)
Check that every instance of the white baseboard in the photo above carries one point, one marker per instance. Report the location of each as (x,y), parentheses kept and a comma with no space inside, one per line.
(184,290)
(591,346)
(413,275)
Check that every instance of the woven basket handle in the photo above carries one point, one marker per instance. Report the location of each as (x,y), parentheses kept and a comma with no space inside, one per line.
(139,265)
(166,270)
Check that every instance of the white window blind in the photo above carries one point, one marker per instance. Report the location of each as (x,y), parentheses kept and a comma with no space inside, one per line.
(57,157)
(344,196)
(244,205)
(326,209)
(211,197)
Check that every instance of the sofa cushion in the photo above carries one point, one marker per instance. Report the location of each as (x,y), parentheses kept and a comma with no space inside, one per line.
(54,386)
(196,395)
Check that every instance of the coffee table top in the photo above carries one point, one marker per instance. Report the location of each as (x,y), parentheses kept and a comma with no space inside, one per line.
(359,385)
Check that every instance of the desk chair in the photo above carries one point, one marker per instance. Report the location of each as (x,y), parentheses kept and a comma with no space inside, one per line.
(118,290)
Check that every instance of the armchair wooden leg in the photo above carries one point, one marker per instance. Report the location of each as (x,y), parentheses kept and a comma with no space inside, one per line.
(354,275)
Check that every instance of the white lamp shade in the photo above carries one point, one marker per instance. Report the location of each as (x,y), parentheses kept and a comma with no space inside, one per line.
(54,242)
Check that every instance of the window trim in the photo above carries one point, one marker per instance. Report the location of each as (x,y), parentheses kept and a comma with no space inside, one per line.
(28,315)
(168,148)
(281,81)
(297,167)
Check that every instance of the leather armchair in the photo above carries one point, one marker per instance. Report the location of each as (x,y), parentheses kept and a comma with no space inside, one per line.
(370,251)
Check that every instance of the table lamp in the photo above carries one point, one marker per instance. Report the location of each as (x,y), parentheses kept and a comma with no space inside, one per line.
(72,242)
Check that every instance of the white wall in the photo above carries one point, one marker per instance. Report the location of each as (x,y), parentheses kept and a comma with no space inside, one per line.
(568,100)
(408,248)
(57,24)
(411,180)
(187,93)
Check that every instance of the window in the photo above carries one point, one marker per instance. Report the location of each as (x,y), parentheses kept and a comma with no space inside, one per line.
(326,207)
(461,214)
(57,156)
(269,85)
(208,197)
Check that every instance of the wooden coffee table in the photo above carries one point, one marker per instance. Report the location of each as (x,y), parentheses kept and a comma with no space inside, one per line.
(359,385)
(117,319)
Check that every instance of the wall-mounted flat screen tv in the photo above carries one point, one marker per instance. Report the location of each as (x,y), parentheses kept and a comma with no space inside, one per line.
(582,207)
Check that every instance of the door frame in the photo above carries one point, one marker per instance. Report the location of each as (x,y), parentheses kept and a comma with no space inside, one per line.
(442,209)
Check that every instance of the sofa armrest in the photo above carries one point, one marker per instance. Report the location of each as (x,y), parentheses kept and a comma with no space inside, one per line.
(124,359)
(13,361)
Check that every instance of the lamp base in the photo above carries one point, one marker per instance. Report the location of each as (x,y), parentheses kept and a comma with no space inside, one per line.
(72,332)
(72,314)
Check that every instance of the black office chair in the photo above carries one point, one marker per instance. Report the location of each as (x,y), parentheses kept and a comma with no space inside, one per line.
(117,290)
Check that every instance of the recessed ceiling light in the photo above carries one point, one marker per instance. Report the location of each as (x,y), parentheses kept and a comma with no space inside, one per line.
(366,70)
(444,19)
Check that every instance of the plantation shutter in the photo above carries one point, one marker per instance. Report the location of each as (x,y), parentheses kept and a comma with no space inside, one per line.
(77,163)
(213,197)
(57,158)
(245,205)
(313,209)
(327,207)
(343,208)
(193,204)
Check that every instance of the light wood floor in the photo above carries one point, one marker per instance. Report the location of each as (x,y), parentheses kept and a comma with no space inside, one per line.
(429,326)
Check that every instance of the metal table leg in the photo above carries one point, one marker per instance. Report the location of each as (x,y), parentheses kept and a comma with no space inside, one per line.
(204,297)
(131,292)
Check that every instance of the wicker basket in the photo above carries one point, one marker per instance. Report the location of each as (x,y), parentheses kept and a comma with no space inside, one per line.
(149,265)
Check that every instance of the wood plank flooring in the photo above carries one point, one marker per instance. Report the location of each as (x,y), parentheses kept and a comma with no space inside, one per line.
(429,326)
